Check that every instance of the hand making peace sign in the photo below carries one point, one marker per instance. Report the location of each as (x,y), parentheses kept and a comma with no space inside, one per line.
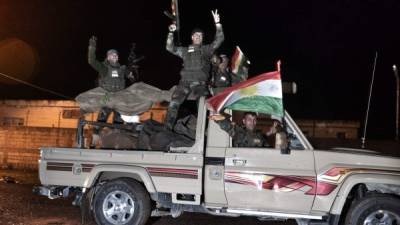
(216,16)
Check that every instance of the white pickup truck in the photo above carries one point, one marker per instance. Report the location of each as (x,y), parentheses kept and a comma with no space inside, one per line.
(337,186)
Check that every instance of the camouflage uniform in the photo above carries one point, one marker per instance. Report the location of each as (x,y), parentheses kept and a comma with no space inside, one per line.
(133,100)
(111,77)
(112,94)
(242,75)
(243,137)
(220,81)
(195,71)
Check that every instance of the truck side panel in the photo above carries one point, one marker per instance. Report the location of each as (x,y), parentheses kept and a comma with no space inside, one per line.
(334,169)
(169,172)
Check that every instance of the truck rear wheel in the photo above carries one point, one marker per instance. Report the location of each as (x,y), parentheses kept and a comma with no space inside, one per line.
(375,210)
(121,202)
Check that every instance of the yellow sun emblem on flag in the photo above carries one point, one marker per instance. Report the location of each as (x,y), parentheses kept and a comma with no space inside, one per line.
(249,91)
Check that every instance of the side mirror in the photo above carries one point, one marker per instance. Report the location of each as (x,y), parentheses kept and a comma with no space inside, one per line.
(291,136)
(285,151)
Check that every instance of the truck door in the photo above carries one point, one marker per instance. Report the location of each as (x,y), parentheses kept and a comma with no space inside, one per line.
(265,179)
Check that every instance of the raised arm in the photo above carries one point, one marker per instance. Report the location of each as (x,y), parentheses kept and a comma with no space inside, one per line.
(224,122)
(92,54)
(219,34)
(170,46)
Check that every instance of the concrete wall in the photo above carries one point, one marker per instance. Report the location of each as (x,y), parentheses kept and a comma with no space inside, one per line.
(38,113)
(19,146)
(54,113)
(26,125)
(340,129)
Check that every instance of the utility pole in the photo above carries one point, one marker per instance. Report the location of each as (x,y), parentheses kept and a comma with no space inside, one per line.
(396,74)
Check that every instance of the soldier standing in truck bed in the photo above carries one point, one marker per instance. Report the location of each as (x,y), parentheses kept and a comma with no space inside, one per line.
(196,66)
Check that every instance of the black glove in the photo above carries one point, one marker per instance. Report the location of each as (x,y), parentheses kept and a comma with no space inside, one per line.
(93,41)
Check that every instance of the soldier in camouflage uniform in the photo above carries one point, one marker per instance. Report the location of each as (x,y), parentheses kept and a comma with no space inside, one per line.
(112,78)
(112,95)
(196,67)
(221,76)
(246,135)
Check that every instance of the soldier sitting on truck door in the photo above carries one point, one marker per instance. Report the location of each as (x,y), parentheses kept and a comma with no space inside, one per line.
(244,135)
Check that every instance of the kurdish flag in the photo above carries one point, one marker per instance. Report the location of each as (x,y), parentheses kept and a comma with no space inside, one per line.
(261,94)
(238,60)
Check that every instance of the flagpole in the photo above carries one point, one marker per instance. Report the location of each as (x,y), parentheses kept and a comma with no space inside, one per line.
(287,149)
(369,103)
(278,68)
(396,74)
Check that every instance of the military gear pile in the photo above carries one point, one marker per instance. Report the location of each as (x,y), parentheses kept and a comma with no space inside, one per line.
(154,136)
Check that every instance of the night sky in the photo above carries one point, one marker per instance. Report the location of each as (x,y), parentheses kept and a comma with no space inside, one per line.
(327,47)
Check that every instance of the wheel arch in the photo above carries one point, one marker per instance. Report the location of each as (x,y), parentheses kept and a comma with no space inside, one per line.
(353,181)
(111,172)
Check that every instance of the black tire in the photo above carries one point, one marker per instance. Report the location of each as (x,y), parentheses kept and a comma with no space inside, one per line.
(137,199)
(366,208)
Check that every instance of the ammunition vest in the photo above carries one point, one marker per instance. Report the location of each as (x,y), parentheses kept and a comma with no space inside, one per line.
(114,78)
(196,64)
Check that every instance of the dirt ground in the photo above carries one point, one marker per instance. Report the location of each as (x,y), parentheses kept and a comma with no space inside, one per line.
(19,206)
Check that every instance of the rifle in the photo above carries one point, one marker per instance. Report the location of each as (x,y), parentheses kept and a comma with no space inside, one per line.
(133,63)
(174,16)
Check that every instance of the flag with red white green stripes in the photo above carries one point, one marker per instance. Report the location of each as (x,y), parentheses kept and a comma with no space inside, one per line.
(238,61)
(261,94)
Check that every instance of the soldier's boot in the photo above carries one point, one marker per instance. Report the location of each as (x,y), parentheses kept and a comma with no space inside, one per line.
(79,133)
(102,117)
(171,115)
(117,119)
(104,114)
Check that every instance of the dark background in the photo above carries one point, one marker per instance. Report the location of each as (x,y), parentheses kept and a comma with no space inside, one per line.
(327,47)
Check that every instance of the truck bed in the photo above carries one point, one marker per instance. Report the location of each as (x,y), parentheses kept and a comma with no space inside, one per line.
(168,172)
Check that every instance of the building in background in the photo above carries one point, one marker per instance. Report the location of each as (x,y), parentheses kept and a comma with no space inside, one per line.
(340,129)
(54,113)
(27,125)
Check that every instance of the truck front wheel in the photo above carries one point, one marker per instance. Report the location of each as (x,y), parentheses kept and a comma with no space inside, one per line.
(121,202)
(376,209)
